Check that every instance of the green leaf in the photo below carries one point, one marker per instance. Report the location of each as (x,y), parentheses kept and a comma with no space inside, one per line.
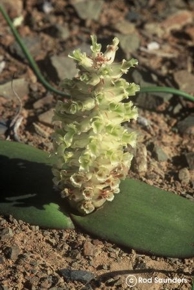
(145,218)
(26,188)
(141,217)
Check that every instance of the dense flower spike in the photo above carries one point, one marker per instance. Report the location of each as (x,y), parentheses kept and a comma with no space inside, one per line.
(89,141)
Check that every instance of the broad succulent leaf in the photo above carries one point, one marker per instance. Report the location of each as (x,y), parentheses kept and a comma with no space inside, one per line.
(144,217)
(89,137)
(26,188)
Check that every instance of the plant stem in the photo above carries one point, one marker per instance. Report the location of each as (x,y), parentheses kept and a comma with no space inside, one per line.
(29,56)
(168,90)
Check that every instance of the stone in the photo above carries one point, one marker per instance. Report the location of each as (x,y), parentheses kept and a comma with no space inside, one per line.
(177,20)
(190,160)
(61,67)
(185,81)
(84,47)
(133,16)
(88,249)
(177,108)
(45,282)
(12,252)
(142,78)
(47,7)
(43,101)
(186,126)
(32,43)
(155,172)
(2,65)
(20,86)
(124,27)
(150,101)
(40,131)
(5,234)
(159,154)
(15,7)
(57,30)
(140,159)
(189,196)
(154,28)
(77,275)
(184,176)
(33,87)
(62,32)
(88,9)
(129,43)
(46,117)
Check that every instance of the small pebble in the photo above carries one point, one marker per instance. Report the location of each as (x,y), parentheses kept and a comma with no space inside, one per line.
(47,7)
(20,86)
(177,20)
(40,131)
(88,249)
(190,160)
(6,234)
(45,282)
(12,252)
(184,176)
(140,159)
(43,101)
(46,117)
(159,154)
(60,67)
(186,126)
(153,45)
(32,43)
(2,66)
(62,31)
(188,196)
(77,275)
(88,9)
